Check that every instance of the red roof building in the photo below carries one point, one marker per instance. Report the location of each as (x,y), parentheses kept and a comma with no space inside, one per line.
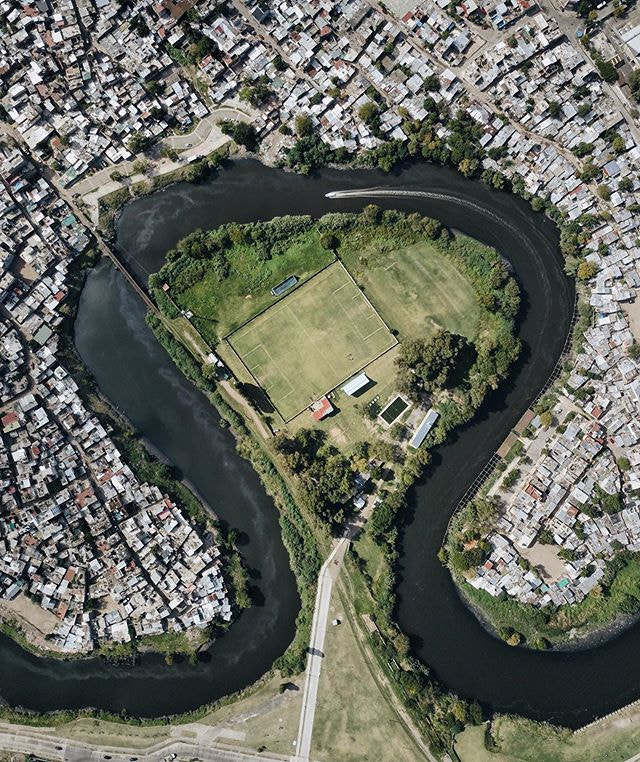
(321,409)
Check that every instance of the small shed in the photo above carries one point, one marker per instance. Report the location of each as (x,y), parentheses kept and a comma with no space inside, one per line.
(356,384)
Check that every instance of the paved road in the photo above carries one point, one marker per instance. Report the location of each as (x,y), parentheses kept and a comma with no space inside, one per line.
(205,126)
(206,138)
(328,573)
(569,23)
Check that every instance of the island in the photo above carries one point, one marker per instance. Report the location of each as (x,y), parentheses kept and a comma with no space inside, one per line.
(360,340)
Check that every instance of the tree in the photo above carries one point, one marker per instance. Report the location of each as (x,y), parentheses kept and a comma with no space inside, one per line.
(546,418)
(609,503)
(428,364)
(583,109)
(625,184)
(606,69)
(583,149)
(139,25)
(242,133)
(303,125)
(604,191)
(329,241)
(256,92)
(589,172)
(468,167)
(139,142)
(586,270)
(141,167)
(169,153)
(309,153)
(555,109)
(618,144)
(633,81)
(371,214)
(545,537)
(369,113)
(432,83)
(514,639)
(540,644)
(623,464)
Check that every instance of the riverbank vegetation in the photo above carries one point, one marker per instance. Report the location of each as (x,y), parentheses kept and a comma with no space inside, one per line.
(605,610)
(301,536)
(509,738)
(193,172)
(371,567)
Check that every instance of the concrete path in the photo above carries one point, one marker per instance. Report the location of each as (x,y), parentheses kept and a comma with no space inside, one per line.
(328,573)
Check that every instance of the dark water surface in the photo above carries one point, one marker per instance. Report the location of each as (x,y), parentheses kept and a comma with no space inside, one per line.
(134,372)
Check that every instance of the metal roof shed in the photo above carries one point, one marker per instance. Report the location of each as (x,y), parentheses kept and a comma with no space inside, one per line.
(423,429)
(355,384)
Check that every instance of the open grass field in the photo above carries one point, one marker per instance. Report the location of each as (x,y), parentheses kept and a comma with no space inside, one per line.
(416,289)
(350,425)
(311,340)
(355,721)
(221,306)
(518,740)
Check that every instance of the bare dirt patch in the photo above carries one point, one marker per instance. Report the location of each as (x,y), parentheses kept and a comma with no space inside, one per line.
(32,615)
(338,435)
(632,311)
(545,558)
(24,270)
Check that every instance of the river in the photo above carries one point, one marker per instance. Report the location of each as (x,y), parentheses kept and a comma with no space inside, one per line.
(133,371)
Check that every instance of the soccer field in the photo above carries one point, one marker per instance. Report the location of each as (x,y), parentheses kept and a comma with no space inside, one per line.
(311,340)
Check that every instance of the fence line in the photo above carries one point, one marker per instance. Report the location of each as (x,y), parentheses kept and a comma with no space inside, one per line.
(616,713)
(493,461)
(566,350)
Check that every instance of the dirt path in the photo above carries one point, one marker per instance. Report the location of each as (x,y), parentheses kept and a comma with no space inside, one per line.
(246,408)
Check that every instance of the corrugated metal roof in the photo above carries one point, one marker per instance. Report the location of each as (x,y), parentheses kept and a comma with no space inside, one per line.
(355,384)
(423,429)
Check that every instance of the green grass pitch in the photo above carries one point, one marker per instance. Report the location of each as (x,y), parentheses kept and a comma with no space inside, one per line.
(311,340)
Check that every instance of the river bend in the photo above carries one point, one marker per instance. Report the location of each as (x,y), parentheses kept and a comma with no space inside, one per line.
(135,373)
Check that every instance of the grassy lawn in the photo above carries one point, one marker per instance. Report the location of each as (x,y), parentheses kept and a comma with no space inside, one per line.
(266,718)
(114,734)
(349,425)
(371,553)
(289,351)
(354,721)
(221,306)
(416,289)
(311,340)
(519,740)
